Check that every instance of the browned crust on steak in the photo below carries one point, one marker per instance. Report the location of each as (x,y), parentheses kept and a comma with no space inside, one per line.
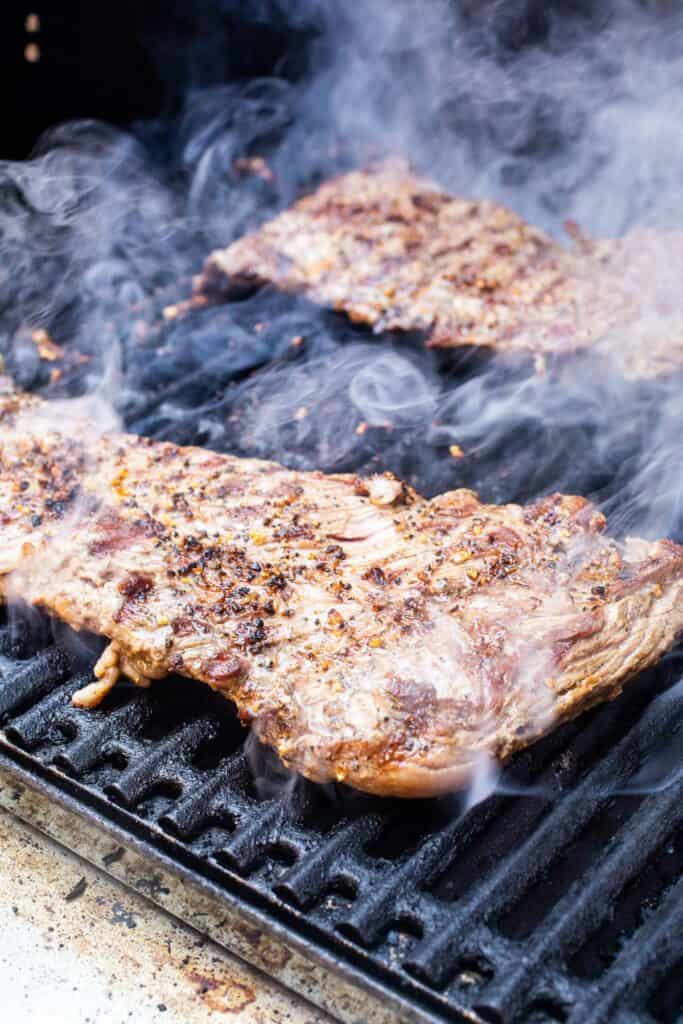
(370,635)
(396,252)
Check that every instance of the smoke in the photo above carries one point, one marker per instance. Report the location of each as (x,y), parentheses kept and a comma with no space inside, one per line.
(575,119)
(560,111)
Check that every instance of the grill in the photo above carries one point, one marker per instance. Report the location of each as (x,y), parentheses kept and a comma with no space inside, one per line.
(563,903)
(559,898)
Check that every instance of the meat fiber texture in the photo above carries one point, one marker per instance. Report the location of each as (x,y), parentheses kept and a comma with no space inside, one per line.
(395,252)
(369,635)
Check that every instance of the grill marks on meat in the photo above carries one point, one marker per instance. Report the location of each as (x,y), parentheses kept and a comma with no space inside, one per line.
(393,251)
(386,644)
(397,253)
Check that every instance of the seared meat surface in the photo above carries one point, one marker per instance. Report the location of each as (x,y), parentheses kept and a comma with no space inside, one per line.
(397,253)
(369,635)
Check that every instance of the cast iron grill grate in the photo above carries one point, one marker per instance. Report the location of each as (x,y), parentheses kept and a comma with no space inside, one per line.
(563,902)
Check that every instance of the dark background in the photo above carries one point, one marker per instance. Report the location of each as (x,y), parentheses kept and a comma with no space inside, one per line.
(130,60)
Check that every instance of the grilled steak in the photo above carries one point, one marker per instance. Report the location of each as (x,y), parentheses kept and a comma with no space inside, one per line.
(370,635)
(397,253)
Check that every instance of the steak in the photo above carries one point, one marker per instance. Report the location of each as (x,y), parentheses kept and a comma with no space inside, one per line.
(397,253)
(370,636)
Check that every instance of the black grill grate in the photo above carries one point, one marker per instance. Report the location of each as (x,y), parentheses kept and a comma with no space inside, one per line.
(561,902)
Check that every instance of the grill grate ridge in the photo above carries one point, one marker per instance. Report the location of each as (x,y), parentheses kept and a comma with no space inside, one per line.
(33,680)
(319,859)
(434,961)
(204,801)
(306,882)
(587,904)
(643,963)
(392,895)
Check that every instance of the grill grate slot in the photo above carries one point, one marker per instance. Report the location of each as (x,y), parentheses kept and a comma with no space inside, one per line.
(161,763)
(30,729)
(643,963)
(587,903)
(435,961)
(668,996)
(640,897)
(308,881)
(260,828)
(172,762)
(393,893)
(206,800)
(108,732)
